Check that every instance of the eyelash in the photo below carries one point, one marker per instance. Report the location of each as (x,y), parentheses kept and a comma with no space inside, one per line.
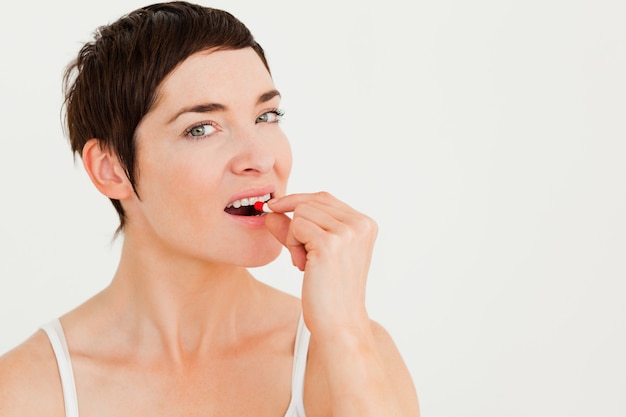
(279,113)
(187,133)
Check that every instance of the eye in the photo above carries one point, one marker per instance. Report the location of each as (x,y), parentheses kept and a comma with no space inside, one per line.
(272,116)
(201,130)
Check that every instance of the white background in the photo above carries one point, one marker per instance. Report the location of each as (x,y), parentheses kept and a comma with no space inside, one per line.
(485,137)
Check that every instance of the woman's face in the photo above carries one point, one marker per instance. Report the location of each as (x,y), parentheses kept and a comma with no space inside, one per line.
(211,141)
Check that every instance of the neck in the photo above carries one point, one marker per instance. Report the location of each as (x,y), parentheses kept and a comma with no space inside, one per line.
(182,305)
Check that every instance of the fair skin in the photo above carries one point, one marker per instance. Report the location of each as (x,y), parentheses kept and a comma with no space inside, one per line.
(184,329)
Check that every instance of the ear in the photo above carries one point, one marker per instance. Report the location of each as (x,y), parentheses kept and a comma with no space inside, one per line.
(105,171)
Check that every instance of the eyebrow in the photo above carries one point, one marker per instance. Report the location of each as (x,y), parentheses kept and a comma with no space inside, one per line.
(212,107)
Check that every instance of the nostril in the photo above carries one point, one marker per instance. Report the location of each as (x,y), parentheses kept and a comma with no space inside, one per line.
(253,159)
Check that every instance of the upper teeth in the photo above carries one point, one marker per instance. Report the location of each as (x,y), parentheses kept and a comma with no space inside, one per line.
(248,201)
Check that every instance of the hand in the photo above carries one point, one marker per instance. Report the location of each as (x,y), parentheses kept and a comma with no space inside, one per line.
(332,243)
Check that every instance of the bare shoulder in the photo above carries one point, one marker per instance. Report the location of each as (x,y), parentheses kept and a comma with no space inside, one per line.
(397,370)
(29,380)
(317,391)
(387,347)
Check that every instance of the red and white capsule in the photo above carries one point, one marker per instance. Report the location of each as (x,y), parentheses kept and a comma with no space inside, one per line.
(263,207)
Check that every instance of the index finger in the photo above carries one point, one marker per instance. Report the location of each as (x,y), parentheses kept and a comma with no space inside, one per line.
(289,202)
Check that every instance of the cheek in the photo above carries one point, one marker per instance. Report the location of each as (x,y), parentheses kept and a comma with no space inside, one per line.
(178,185)
(284,159)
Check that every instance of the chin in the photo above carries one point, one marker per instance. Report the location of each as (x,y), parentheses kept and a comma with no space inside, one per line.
(261,255)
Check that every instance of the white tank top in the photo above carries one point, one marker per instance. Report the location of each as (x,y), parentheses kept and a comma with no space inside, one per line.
(59,345)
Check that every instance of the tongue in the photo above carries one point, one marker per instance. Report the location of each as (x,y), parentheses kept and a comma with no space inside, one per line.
(241,211)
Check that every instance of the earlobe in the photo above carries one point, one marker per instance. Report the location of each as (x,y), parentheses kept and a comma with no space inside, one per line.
(105,171)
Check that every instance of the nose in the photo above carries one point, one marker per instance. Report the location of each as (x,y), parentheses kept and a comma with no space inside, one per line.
(253,155)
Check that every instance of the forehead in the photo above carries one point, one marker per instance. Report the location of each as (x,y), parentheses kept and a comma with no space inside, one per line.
(221,76)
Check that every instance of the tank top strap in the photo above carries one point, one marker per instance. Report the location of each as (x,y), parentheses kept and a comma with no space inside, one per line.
(300,354)
(55,333)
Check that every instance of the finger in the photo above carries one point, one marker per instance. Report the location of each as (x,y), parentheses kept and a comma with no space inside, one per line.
(314,238)
(328,218)
(278,225)
(289,202)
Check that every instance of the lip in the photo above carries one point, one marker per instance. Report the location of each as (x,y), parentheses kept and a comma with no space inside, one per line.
(252,192)
(252,222)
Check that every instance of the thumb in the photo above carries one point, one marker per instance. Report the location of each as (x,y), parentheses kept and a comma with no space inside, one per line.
(278,225)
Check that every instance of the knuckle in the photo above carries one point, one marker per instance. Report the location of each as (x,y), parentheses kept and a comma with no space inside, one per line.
(367,227)
(366,223)
(296,222)
(324,195)
(345,230)
(373,225)
(333,242)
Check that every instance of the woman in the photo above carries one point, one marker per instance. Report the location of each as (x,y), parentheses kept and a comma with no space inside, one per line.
(175,114)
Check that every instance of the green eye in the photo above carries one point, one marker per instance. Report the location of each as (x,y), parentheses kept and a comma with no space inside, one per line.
(204,129)
(197,131)
(270,117)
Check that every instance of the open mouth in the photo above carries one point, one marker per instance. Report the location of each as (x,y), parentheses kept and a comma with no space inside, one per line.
(245,206)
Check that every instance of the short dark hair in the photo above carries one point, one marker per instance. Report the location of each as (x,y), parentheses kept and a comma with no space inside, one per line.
(113,82)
